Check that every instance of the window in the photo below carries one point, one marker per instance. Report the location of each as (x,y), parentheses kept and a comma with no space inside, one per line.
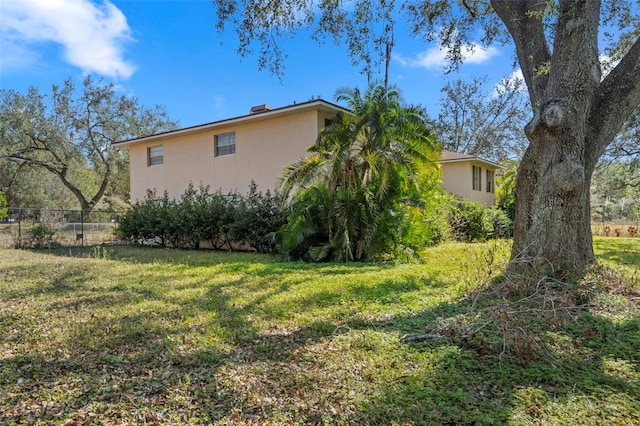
(491,187)
(155,155)
(477,178)
(225,144)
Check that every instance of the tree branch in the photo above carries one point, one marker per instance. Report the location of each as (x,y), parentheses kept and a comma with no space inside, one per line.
(527,31)
(616,99)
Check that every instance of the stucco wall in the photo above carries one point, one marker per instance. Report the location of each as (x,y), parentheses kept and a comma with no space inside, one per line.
(263,149)
(457,179)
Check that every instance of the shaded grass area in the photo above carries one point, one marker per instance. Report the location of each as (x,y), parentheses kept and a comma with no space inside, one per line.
(123,335)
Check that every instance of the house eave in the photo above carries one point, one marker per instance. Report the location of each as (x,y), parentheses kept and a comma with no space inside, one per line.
(317,104)
(473,160)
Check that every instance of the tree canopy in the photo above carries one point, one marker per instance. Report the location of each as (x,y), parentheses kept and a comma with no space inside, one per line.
(69,133)
(487,122)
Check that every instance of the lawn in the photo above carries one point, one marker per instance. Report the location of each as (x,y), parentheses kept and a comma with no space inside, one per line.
(127,336)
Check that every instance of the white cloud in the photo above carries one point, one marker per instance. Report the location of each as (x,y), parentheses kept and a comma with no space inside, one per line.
(516,75)
(437,57)
(92,35)
(607,63)
(515,80)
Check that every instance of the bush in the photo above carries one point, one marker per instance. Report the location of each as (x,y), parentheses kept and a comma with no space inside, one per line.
(148,221)
(224,220)
(4,211)
(316,229)
(424,226)
(499,222)
(471,221)
(39,236)
(257,218)
(467,221)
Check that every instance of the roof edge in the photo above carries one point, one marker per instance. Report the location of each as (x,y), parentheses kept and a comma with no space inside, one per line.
(233,120)
(468,158)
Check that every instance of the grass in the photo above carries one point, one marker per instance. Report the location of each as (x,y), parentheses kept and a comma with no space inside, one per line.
(128,336)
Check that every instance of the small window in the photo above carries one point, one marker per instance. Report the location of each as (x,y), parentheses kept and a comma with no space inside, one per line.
(155,155)
(491,187)
(477,178)
(225,144)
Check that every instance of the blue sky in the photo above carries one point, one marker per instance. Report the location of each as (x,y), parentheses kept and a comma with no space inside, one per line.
(169,53)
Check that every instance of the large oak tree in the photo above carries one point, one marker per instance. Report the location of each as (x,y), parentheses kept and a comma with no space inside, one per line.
(576,111)
(70,132)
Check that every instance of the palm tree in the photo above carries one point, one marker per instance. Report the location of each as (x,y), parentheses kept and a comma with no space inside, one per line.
(361,169)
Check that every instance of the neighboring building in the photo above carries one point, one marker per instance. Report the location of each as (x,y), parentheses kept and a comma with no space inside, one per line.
(469,176)
(229,154)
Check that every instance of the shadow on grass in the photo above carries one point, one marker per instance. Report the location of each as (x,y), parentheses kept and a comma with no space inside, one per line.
(136,351)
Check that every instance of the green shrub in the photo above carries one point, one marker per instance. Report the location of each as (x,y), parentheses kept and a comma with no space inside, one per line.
(309,222)
(148,221)
(505,198)
(4,211)
(500,223)
(435,224)
(39,236)
(199,216)
(258,217)
(316,229)
(468,221)
(471,221)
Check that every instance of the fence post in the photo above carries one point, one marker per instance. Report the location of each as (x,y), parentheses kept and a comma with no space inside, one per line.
(82,226)
(19,227)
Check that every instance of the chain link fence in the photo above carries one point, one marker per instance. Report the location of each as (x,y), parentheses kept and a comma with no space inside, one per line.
(29,227)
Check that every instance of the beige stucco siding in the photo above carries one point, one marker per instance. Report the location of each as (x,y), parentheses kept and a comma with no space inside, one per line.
(263,149)
(457,179)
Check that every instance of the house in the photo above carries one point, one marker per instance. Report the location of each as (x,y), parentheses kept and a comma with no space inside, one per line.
(229,154)
(469,176)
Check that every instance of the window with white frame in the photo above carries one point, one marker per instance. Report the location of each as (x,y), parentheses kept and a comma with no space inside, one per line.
(476,173)
(155,155)
(225,144)
(491,186)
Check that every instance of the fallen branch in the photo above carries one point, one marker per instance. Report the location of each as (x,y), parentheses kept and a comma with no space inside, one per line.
(416,338)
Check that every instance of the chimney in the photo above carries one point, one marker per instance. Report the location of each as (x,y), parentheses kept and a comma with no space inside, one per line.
(260,108)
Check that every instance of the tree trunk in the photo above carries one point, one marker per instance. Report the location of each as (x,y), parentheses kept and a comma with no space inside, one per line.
(576,115)
(552,231)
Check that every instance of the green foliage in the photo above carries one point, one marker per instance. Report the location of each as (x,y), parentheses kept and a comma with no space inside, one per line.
(506,181)
(471,221)
(69,135)
(257,217)
(500,223)
(147,220)
(614,192)
(223,220)
(38,236)
(4,211)
(351,194)
(468,221)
